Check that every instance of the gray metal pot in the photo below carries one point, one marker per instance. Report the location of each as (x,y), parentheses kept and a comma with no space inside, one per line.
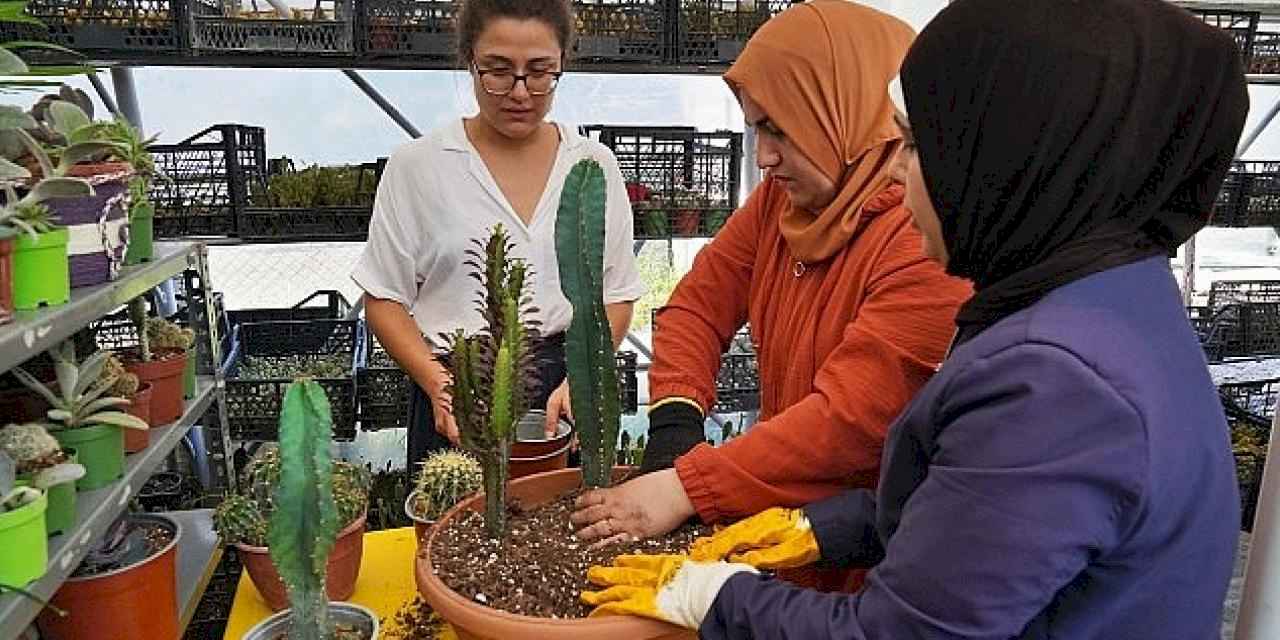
(339,613)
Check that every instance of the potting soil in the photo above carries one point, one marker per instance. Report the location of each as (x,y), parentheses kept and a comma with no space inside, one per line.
(413,621)
(540,568)
(340,632)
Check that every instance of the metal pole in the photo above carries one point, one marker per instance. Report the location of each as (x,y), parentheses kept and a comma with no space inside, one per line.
(103,93)
(1259,617)
(382,103)
(126,95)
(1189,249)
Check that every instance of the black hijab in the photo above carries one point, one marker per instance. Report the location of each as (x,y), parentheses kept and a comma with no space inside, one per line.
(1060,138)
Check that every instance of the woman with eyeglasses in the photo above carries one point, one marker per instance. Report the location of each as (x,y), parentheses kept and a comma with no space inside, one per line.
(507,165)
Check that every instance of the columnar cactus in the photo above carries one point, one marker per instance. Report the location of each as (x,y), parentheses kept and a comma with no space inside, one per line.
(593,379)
(445,479)
(492,373)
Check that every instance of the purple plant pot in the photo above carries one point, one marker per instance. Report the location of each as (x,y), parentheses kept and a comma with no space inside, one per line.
(89,219)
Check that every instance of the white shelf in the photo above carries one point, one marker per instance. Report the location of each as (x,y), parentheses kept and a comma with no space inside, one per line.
(198,555)
(96,510)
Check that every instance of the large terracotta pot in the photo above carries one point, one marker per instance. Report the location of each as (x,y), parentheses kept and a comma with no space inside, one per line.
(164,372)
(343,568)
(136,440)
(474,621)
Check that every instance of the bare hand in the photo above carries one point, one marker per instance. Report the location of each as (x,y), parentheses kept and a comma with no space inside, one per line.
(650,505)
(558,405)
(442,404)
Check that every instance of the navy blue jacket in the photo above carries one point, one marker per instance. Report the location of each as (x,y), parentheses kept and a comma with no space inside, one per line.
(1067,474)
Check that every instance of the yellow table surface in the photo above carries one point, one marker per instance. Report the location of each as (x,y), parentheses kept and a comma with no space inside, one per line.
(384,585)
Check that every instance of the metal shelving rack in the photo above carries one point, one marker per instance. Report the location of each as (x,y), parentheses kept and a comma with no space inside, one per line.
(32,333)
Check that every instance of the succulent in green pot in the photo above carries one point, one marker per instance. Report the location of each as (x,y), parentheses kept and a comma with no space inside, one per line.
(42,463)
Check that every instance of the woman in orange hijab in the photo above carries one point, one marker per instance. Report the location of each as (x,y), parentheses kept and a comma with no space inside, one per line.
(848,317)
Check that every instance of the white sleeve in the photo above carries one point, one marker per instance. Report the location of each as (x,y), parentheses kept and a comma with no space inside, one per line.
(622,281)
(387,267)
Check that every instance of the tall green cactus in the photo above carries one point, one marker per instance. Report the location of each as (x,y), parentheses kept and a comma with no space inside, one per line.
(305,523)
(593,380)
(492,373)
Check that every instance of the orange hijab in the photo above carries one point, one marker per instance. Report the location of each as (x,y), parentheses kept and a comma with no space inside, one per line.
(821,71)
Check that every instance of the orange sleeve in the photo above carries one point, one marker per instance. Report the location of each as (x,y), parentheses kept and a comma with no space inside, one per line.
(707,307)
(832,439)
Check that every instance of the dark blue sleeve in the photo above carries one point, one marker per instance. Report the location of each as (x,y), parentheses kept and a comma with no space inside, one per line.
(1035,458)
(844,526)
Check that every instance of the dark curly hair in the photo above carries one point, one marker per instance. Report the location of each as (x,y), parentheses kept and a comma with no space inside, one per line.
(475,15)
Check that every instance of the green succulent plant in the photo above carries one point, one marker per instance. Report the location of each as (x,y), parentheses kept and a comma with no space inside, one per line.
(444,479)
(289,367)
(242,517)
(66,133)
(492,372)
(80,400)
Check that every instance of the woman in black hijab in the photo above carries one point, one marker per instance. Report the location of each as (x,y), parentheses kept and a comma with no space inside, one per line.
(1067,473)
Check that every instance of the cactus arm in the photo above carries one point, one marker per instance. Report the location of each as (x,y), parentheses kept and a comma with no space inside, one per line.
(138,316)
(593,380)
(304,524)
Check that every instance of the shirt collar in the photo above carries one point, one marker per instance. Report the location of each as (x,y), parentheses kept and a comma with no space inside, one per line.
(455,137)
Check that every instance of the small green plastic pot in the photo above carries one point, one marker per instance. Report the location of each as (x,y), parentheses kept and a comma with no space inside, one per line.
(60,515)
(24,547)
(141,225)
(100,449)
(189,374)
(41,270)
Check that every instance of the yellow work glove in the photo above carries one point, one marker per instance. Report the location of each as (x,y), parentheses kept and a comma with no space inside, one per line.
(670,588)
(776,538)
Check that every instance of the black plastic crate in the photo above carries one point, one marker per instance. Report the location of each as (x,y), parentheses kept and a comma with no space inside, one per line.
(1250,196)
(330,31)
(1249,407)
(715,31)
(738,383)
(1242,25)
(1266,53)
(620,31)
(383,389)
(253,405)
(124,26)
(1227,292)
(305,224)
(332,306)
(628,383)
(208,181)
(421,29)
(681,182)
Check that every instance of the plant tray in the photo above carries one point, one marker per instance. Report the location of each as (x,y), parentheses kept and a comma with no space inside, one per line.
(715,31)
(681,182)
(1241,25)
(209,177)
(253,405)
(1266,53)
(126,26)
(332,33)
(738,383)
(623,31)
(335,307)
(305,224)
(422,29)
(383,389)
(1249,407)
(1250,196)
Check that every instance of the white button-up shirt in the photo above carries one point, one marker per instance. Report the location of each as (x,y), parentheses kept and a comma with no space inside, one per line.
(436,195)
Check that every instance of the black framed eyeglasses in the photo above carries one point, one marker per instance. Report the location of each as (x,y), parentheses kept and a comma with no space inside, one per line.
(500,82)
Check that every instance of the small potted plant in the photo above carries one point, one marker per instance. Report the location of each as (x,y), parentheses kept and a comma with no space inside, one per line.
(24,547)
(160,359)
(445,478)
(127,385)
(132,148)
(83,417)
(242,520)
(304,527)
(43,464)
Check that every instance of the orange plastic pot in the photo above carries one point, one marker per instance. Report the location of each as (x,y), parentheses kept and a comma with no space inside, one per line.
(137,601)
(474,621)
(136,440)
(164,372)
(343,568)
(420,525)
(6,278)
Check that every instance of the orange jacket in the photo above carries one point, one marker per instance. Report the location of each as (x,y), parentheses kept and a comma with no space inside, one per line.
(842,348)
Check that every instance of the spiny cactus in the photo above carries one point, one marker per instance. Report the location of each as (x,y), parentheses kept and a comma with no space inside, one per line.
(492,373)
(167,335)
(589,356)
(238,519)
(122,384)
(30,446)
(138,316)
(445,479)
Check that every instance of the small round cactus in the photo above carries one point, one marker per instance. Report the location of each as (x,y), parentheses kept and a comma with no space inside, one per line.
(30,446)
(164,334)
(238,519)
(123,384)
(445,479)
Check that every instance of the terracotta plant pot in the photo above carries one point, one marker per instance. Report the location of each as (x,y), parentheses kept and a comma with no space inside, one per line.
(6,278)
(523,467)
(420,525)
(139,600)
(474,621)
(136,440)
(344,613)
(533,452)
(343,568)
(164,372)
